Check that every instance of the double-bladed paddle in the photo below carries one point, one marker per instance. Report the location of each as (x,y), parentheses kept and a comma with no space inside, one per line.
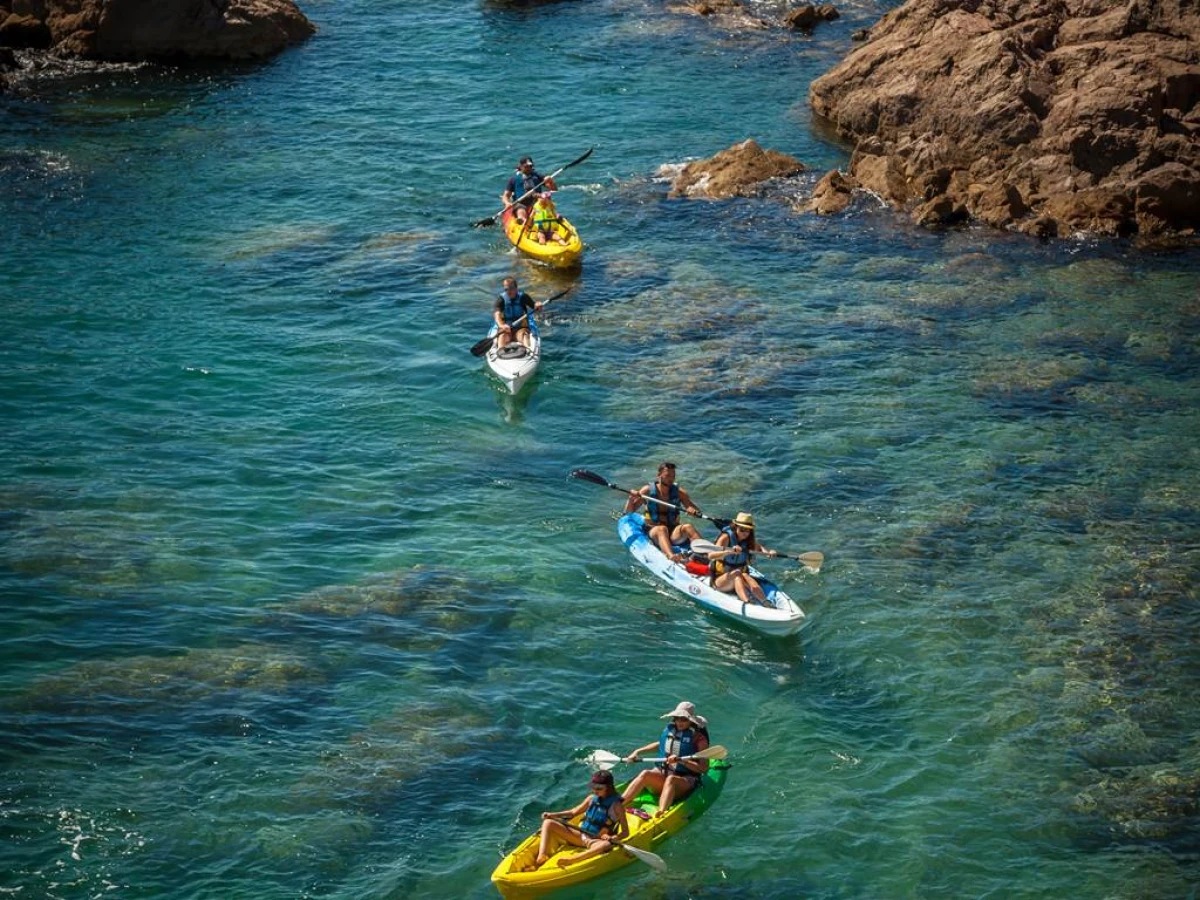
(482,347)
(491,220)
(603,759)
(811,560)
(653,860)
(585,475)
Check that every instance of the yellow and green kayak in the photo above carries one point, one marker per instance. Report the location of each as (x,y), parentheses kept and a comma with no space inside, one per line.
(561,256)
(646,833)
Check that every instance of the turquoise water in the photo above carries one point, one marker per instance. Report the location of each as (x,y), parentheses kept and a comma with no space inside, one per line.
(297,604)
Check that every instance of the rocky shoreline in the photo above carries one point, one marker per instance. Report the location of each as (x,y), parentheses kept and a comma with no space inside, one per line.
(138,30)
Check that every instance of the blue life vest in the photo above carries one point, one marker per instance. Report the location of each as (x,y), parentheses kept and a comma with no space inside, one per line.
(515,307)
(656,513)
(598,814)
(735,560)
(677,743)
(521,184)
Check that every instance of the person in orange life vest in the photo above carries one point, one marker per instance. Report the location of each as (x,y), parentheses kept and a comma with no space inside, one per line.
(685,735)
(603,819)
(730,571)
(508,308)
(662,522)
(545,218)
(523,182)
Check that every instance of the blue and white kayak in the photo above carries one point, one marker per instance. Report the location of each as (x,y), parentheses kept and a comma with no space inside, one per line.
(515,363)
(782,617)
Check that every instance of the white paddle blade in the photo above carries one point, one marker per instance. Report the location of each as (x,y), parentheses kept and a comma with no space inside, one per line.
(653,860)
(602,759)
(699,546)
(714,752)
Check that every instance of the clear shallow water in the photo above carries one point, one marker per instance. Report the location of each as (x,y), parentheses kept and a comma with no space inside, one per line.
(297,604)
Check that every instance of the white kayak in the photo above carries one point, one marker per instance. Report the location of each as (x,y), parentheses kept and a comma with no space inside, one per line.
(782,617)
(515,363)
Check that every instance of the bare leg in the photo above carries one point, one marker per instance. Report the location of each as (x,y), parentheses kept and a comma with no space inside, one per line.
(552,828)
(594,848)
(684,531)
(661,536)
(647,779)
(674,787)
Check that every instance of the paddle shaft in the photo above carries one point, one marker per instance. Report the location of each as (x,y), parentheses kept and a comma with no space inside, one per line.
(585,475)
(812,558)
(483,223)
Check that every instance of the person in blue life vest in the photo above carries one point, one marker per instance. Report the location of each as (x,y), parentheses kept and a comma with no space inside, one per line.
(730,571)
(603,822)
(662,522)
(523,187)
(511,305)
(545,221)
(685,735)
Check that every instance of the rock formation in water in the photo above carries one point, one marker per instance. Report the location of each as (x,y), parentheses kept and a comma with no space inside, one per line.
(735,172)
(153,29)
(1050,116)
(737,15)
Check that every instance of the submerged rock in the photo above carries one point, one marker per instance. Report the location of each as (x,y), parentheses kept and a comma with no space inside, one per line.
(154,29)
(1049,116)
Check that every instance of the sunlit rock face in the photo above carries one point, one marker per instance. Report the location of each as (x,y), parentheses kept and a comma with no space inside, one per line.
(1048,116)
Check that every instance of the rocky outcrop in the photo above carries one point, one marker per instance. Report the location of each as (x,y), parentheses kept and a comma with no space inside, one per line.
(832,194)
(737,15)
(735,172)
(154,29)
(1050,116)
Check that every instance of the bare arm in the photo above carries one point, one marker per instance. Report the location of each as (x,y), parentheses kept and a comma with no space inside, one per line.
(636,499)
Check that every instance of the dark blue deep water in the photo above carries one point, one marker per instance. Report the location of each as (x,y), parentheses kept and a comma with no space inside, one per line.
(295,603)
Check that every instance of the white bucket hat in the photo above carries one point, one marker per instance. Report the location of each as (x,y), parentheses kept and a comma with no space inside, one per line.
(684,710)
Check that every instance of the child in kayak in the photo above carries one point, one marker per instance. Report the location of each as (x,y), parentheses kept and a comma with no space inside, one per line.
(603,822)
(546,221)
(685,735)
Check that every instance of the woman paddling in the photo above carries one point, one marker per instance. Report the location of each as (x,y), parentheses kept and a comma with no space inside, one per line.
(731,570)
(603,818)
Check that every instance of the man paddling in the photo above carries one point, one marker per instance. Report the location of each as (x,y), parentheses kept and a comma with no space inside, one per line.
(662,522)
(522,187)
(507,311)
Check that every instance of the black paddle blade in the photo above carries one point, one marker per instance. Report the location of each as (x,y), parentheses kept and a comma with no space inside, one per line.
(720,523)
(585,475)
(576,162)
(484,223)
(482,347)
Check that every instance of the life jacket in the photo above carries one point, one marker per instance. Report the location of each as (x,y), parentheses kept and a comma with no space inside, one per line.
(544,217)
(734,560)
(656,513)
(678,743)
(598,814)
(521,184)
(515,307)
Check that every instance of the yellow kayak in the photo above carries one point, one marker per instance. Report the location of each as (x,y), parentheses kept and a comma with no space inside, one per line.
(562,256)
(646,833)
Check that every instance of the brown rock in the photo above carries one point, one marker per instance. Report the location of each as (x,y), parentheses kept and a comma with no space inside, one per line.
(152,29)
(1083,111)
(24,32)
(805,18)
(734,172)
(832,194)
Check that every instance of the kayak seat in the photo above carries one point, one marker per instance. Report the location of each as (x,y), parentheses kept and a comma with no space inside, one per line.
(512,351)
